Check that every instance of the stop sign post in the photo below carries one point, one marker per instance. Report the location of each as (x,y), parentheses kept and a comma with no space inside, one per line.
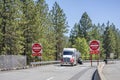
(94,49)
(36,49)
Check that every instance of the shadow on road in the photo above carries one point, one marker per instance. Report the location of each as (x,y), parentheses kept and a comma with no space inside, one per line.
(96,75)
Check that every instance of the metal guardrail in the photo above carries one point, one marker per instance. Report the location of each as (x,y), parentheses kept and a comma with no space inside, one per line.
(43,63)
(109,60)
(93,60)
(55,62)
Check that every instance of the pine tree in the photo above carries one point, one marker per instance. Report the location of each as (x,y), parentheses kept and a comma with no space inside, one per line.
(60,26)
(117,38)
(28,27)
(46,35)
(117,54)
(109,40)
(11,40)
(95,33)
(85,25)
(73,34)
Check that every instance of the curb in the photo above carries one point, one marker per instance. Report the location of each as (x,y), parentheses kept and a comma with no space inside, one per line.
(17,68)
(100,69)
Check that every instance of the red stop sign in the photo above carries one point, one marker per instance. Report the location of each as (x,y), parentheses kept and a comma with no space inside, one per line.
(36,48)
(94,45)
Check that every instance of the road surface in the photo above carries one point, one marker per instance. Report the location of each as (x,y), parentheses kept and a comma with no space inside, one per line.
(51,72)
(111,71)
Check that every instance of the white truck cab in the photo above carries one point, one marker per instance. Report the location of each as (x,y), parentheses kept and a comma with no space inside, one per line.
(70,56)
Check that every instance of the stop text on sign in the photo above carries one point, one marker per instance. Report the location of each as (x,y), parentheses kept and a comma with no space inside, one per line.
(36,49)
(94,47)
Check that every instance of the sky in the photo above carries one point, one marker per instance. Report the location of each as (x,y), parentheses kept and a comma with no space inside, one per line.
(100,11)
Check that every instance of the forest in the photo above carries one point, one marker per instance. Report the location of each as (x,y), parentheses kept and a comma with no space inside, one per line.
(24,22)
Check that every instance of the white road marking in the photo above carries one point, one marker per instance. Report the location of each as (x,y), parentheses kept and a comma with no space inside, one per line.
(50,78)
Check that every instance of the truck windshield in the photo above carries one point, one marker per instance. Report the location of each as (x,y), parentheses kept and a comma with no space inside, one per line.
(67,53)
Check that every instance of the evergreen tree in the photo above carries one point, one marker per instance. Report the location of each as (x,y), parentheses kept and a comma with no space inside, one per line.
(95,33)
(109,40)
(73,34)
(11,39)
(101,33)
(46,34)
(60,27)
(117,54)
(117,43)
(27,23)
(85,25)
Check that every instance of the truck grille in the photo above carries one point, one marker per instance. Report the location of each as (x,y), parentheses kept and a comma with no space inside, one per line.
(66,59)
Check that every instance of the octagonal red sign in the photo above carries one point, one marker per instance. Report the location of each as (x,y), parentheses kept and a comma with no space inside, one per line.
(94,45)
(36,48)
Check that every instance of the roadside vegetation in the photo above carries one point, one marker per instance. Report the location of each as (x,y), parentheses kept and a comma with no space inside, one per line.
(24,22)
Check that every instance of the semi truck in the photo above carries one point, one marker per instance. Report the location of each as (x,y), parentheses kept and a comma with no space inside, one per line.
(70,56)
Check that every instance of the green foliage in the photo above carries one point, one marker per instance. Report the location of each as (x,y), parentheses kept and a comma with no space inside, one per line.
(58,19)
(110,40)
(97,34)
(117,38)
(85,25)
(11,39)
(82,46)
(108,36)
(80,35)
(74,33)
(45,33)
(24,22)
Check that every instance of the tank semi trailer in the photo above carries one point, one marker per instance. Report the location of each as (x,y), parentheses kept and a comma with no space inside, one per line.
(70,56)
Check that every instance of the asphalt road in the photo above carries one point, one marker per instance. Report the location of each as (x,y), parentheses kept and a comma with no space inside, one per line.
(111,71)
(51,72)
